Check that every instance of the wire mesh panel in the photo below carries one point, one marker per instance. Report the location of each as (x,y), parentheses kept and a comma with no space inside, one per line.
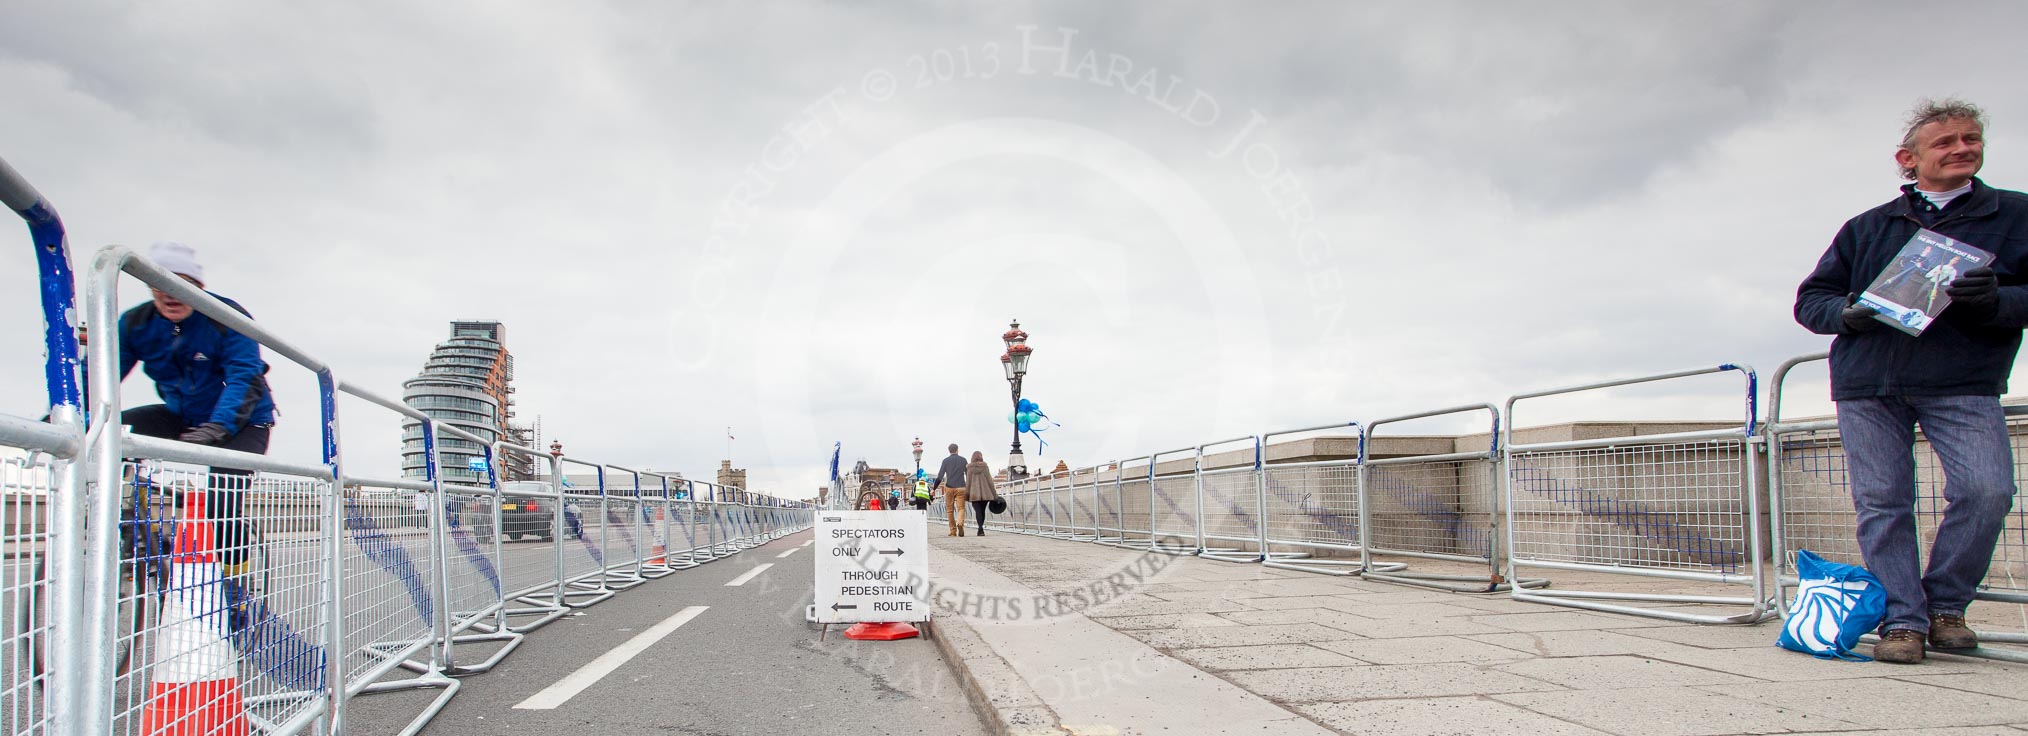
(1232,507)
(1175,511)
(1107,492)
(528,548)
(472,568)
(1681,510)
(1135,509)
(623,550)
(722,536)
(1084,506)
(1441,508)
(689,529)
(1673,506)
(1815,513)
(1314,505)
(583,534)
(389,573)
(1060,496)
(230,606)
(25,486)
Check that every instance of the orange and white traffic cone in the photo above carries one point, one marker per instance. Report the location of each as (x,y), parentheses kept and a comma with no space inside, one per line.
(195,685)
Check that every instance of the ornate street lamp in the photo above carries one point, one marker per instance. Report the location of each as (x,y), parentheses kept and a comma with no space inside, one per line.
(917,450)
(1014,363)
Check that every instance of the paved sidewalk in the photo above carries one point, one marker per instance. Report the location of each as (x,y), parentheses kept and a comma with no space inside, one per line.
(1154,644)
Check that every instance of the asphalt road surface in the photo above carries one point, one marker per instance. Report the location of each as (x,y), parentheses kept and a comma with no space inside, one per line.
(747,663)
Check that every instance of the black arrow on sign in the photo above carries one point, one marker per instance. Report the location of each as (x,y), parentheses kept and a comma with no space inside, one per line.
(840,606)
(894,552)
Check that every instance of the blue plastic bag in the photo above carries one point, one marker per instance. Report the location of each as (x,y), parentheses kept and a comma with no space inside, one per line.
(1835,605)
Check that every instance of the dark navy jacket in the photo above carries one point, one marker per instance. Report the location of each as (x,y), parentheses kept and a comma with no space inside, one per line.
(203,371)
(952,473)
(1958,354)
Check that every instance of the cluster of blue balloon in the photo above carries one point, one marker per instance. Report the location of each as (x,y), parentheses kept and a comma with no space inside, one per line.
(1028,417)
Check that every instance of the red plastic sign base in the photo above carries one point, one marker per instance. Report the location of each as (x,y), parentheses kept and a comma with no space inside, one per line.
(881,632)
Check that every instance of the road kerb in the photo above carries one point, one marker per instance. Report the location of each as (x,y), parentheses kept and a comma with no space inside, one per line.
(1004,701)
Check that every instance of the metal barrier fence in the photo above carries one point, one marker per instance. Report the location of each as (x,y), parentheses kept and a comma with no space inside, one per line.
(1172,507)
(1311,508)
(1811,507)
(182,587)
(1136,502)
(1680,506)
(1435,506)
(1228,506)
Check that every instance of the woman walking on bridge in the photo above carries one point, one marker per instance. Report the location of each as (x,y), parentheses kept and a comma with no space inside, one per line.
(979,488)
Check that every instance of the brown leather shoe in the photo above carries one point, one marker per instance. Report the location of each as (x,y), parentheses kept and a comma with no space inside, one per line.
(1900,646)
(1950,632)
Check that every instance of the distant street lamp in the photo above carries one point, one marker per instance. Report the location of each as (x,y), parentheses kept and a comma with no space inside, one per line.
(917,450)
(1014,363)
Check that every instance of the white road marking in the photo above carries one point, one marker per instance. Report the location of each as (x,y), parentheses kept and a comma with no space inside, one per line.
(792,550)
(592,672)
(750,574)
(806,544)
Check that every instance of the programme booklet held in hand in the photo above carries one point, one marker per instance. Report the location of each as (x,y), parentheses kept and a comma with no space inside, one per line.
(1909,293)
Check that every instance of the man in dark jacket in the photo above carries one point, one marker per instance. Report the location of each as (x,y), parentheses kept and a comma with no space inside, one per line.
(1948,380)
(951,475)
(213,387)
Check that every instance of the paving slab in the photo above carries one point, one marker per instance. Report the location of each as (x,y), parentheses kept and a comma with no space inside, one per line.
(1782,665)
(1301,601)
(1561,621)
(1991,680)
(1273,656)
(1604,673)
(1884,703)
(1579,643)
(1422,650)
(1221,636)
(1711,637)
(1165,621)
(1404,628)
(1315,684)
(1325,616)
(1669,711)
(1959,731)
(1465,716)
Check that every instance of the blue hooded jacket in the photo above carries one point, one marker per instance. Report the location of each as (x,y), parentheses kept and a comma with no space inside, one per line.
(203,371)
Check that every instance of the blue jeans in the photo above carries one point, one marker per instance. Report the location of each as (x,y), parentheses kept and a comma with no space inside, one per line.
(1969,434)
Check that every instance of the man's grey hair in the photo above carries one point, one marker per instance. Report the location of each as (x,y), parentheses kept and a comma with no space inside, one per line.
(1936,111)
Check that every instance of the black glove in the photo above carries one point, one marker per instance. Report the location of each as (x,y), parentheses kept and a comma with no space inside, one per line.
(209,433)
(1977,292)
(1859,318)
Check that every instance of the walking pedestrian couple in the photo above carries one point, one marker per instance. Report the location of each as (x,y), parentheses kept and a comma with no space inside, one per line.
(965,481)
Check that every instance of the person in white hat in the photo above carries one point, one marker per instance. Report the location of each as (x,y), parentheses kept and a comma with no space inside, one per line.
(213,385)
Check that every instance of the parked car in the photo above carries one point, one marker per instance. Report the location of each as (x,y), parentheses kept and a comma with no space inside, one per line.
(522,516)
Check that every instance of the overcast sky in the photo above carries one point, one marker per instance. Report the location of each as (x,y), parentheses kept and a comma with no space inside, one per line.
(811,223)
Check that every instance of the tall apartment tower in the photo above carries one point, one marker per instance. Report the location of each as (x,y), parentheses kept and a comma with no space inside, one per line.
(468,383)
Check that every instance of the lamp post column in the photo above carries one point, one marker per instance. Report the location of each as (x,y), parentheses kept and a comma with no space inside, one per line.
(1014,363)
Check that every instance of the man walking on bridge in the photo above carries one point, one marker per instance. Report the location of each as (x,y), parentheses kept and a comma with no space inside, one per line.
(951,475)
(1948,380)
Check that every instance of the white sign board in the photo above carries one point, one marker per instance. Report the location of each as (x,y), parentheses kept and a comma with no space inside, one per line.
(872,566)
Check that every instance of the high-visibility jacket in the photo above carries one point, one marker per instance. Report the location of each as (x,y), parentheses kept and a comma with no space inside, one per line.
(922,489)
